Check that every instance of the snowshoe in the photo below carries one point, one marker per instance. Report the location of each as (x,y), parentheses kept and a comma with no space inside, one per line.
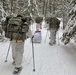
(17,70)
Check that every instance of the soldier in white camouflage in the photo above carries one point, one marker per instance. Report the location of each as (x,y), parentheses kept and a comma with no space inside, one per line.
(16,30)
(38,21)
(53,27)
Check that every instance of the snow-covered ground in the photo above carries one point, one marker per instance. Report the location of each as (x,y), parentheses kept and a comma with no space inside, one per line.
(49,60)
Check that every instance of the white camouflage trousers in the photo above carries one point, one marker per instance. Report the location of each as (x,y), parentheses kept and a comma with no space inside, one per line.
(17,52)
(38,25)
(52,36)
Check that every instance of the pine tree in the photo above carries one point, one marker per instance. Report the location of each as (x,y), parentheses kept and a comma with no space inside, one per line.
(31,9)
(2,11)
(70,30)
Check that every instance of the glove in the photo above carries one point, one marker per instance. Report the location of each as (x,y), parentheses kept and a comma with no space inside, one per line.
(29,34)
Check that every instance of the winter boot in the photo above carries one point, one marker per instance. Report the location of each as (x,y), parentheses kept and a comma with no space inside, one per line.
(52,43)
(17,70)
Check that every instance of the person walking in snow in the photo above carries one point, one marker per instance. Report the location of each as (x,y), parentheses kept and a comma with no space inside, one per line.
(16,30)
(53,27)
(38,21)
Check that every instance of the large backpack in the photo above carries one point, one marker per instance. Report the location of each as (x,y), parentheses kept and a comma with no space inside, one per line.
(16,29)
(38,19)
(54,23)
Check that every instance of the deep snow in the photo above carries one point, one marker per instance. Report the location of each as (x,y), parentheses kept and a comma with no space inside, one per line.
(49,60)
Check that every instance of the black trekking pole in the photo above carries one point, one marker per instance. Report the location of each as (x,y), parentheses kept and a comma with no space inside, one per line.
(8,52)
(33,54)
